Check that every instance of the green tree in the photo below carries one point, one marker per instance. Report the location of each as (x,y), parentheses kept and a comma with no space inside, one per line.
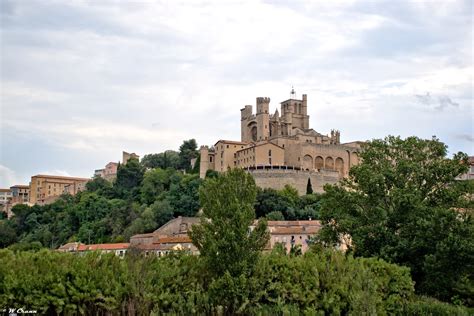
(228,248)
(291,194)
(101,186)
(183,195)
(212,174)
(7,233)
(162,212)
(275,216)
(309,187)
(270,200)
(197,165)
(223,238)
(397,205)
(187,151)
(164,160)
(129,179)
(155,182)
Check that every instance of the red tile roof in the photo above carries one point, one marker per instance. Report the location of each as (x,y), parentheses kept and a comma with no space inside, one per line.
(148,235)
(294,223)
(20,186)
(173,240)
(60,177)
(294,230)
(116,246)
(230,142)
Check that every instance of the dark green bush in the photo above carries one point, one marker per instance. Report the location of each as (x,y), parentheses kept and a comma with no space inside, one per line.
(320,283)
(425,306)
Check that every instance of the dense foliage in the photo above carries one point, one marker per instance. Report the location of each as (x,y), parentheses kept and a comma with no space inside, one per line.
(316,283)
(402,204)
(139,200)
(410,225)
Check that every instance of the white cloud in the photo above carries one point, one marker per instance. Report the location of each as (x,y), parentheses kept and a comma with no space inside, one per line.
(7,177)
(90,79)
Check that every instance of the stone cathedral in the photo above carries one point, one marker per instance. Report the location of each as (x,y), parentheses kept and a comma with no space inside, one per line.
(279,149)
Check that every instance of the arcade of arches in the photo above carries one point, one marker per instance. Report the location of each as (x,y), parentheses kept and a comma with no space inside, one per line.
(330,163)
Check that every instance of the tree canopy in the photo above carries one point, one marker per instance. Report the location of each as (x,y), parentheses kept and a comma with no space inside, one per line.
(399,204)
(187,151)
(223,238)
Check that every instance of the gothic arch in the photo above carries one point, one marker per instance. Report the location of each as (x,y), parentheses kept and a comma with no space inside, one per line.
(308,162)
(252,130)
(318,162)
(329,163)
(340,166)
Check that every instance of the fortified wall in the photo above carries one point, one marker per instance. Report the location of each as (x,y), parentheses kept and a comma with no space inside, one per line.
(280,149)
(276,178)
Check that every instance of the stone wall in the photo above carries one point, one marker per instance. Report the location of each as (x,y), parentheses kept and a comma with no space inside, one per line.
(278,178)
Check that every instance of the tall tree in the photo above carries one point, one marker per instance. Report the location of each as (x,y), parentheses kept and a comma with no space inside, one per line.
(228,248)
(309,187)
(223,238)
(187,151)
(397,204)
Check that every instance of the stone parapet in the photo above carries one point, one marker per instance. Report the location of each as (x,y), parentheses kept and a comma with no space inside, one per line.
(277,177)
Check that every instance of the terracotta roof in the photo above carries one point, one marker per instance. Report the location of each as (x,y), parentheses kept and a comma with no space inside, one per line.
(154,247)
(20,186)
(253,145)
(5,190)
(116,246)
(148,235)
(174,240)
(294,230)
(230,142)
(59,177)
(71,246)
(294,223)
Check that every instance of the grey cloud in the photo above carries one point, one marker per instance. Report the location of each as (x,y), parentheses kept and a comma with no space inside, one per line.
(437,103)
(466,137)
(152,65)
(445,101)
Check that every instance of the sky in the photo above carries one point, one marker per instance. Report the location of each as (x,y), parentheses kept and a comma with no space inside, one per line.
(80,81)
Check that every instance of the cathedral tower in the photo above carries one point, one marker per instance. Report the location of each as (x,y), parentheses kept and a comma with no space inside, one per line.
(263,118)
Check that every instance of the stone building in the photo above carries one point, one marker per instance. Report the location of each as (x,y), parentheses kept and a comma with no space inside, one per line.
(281,149)
(46,189)
(20,193)
(5,196)
(291,233)
(172,236)
(127,156)
(109,172)
(469,175)
(119,249)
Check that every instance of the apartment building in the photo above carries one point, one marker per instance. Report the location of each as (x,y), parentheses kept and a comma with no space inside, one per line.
(45,189)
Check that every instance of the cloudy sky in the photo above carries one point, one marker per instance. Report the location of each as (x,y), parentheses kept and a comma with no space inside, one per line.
(83,80)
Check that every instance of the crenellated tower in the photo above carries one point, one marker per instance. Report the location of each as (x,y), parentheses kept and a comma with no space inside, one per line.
(263,118)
